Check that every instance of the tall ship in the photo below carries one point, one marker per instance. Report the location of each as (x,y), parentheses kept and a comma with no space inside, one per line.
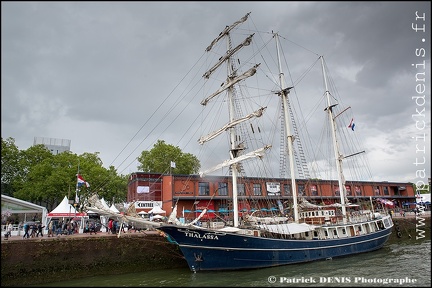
(296,232)
(257,122)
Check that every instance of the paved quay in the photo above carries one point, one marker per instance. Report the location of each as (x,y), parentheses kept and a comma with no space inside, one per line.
(81,235)
(412,215)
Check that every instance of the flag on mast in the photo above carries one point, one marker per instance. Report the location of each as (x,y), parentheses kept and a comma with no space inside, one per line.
(173,164)
(352,124)
(81,181)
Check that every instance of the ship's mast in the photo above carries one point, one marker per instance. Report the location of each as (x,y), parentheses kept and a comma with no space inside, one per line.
(290,137)
(232,78)
(234,167)
(337,155)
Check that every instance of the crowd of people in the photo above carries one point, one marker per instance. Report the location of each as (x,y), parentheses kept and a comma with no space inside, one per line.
(34,229)
(58,227)
(55,228)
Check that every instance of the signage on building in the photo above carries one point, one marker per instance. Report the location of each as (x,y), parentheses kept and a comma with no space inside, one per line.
(183,192)
(147,204)
(143,189)
(273,188)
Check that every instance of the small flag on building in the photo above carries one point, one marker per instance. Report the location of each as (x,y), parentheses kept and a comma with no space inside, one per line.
(352,124)
(173,164)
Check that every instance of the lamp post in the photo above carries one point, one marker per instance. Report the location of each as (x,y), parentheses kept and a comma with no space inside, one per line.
(75,206)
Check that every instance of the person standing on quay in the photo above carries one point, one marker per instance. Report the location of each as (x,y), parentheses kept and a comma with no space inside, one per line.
(26,230)
(8,230)
(59,228)
(33,229)
(110,226)
(50,229)
(39,230)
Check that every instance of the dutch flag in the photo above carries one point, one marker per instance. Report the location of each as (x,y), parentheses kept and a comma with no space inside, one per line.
(351,125)
(81,181)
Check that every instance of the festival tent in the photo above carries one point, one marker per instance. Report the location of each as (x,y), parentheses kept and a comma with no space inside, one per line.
(157,210)
(64,209)
(11,205)
(104,203)
(114,209)
(104,219)
(423,198)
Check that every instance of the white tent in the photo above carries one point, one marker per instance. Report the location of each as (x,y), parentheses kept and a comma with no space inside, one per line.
(157,210)
(64,209)
(104,203)
(11,205)
(104,219)
(114,209)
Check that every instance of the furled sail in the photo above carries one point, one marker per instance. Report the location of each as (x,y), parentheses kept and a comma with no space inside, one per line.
(131,210)
(227,30)
(173,218)
(198,218)
(257,153)
(228,54)
(98,207)
(216,133)
(231,82)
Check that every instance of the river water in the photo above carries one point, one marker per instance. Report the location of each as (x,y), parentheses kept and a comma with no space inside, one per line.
(399,263)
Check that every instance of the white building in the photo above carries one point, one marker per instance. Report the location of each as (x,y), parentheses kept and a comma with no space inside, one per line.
(54,145)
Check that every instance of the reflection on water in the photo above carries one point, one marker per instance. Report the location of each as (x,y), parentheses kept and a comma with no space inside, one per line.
(407,262)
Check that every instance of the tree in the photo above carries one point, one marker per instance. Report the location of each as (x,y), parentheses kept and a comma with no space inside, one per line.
(422,188)
(159,158)
(10,169)
(104,182)
(38,176)
(31,161)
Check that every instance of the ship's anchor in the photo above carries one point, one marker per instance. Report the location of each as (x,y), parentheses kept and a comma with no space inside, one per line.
(198,258)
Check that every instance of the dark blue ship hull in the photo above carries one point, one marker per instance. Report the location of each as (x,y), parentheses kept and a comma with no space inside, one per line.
(213,250)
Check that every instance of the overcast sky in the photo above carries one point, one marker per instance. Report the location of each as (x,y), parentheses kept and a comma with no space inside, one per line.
(92,72)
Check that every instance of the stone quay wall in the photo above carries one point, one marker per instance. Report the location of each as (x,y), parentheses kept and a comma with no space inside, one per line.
(42,260)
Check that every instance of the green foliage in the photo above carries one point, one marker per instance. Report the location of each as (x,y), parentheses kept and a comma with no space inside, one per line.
(10,156)
(423,188)
(38,176)
(158,160)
